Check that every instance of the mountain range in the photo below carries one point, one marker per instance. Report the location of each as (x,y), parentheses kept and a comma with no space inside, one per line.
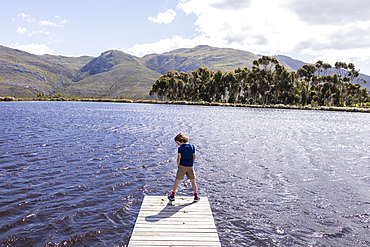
(114,73)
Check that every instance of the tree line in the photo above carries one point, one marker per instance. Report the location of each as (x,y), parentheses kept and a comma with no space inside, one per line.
(267,82)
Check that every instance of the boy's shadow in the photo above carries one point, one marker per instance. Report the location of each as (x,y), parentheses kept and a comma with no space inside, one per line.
(167,212)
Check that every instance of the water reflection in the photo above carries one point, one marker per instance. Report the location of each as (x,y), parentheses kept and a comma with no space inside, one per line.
(75,173)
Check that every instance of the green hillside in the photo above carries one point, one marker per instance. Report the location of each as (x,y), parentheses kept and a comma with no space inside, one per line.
(75,63)
(24,74)
(190,59)
(113,73)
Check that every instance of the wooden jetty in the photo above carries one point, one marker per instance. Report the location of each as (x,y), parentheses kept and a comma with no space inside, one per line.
(178,223)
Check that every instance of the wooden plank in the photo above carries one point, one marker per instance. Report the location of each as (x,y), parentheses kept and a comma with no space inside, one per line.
(165,214)
(172,243)
(187,229)
(174,235)
(178,223)
(193,208)
(178,226)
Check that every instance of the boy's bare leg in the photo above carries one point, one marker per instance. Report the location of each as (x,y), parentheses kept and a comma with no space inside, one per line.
(194,185)
(177,181)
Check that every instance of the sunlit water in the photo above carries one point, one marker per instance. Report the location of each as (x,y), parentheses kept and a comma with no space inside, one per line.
(75,174)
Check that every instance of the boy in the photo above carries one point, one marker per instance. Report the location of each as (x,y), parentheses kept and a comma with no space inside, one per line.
(185,162)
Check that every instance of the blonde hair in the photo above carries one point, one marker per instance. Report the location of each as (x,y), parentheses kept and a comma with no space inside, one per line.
(181,138)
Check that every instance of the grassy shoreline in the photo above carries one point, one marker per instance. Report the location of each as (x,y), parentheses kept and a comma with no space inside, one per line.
(280,106)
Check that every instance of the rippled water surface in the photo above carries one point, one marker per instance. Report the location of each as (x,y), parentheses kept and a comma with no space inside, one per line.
(75,174)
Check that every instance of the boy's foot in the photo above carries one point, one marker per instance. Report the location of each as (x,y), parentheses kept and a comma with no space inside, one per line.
(171,198)
(196,199)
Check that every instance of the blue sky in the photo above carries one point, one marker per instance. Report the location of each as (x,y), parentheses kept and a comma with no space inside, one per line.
(328,30)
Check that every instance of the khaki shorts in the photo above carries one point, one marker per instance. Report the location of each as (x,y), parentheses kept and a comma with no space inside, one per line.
(188,170)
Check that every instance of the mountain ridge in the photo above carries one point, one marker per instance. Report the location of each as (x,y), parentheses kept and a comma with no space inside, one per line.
(114,73)
(190,59)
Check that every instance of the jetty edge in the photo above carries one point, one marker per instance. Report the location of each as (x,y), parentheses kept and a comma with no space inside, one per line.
(178,223)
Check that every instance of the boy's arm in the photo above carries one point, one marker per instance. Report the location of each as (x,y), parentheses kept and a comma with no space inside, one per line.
(193,157)
(178,159)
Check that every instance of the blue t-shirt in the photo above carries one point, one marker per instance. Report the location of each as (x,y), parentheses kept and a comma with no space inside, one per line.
(186,151)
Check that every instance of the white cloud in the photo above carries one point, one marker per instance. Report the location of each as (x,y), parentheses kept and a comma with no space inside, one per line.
(48,23)
(54,24)
(331,29)
(334,12)
(53,39)
(28,17)
(164,17)
(232,4)
(165,45)
(23,15)
(62,20)
(263,26)
(39,32)
(21,30)
(38,49)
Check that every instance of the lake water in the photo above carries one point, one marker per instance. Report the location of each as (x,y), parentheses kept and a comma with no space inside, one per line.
(75,173)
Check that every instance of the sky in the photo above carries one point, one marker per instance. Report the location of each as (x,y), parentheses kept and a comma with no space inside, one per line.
(327,30)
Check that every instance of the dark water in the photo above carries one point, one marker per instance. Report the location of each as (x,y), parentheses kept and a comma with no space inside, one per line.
(75,174)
